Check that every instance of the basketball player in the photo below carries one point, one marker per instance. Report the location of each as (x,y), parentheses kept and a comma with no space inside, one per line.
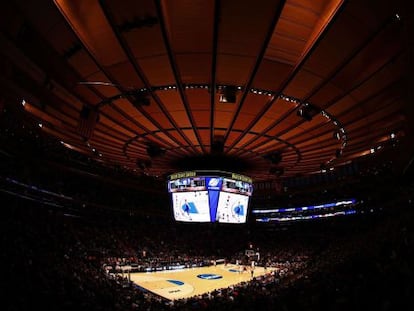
(187,209)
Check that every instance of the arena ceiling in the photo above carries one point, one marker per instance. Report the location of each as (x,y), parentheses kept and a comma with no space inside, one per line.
(265,88)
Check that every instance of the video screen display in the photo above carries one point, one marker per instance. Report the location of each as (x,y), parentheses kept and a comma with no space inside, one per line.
(210,197)
(232,208)
(191,206)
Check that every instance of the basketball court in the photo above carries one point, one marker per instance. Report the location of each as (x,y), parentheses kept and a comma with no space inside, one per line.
(177,284)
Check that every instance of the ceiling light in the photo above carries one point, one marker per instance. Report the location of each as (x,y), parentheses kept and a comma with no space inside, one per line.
(154,150)
(338,153)
(274,157)
(304,113)
(228,94)
(218,145)
(140,99)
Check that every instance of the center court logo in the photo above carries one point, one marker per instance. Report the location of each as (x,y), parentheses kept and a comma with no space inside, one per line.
(209,276)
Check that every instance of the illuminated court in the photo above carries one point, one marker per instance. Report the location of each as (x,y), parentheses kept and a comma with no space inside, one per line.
(177,284)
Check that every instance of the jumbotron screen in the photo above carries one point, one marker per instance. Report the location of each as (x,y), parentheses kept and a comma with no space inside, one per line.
(210,196)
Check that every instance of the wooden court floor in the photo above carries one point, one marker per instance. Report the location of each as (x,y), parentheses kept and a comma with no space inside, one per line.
(177,284)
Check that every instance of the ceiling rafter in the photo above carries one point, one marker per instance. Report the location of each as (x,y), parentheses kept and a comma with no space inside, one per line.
(54,84)
(213,84)
(301,61)
(114,82)
(333,74)
(176,72)
(259,59)
(140,73)
(348,59)
(354,89)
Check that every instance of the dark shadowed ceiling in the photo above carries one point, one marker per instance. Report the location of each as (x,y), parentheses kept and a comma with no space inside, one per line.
(264,88)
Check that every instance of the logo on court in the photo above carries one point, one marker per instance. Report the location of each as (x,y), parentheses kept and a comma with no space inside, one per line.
(176,282)
(209,276)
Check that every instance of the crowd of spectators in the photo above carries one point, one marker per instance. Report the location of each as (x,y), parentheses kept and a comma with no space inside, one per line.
(55,260)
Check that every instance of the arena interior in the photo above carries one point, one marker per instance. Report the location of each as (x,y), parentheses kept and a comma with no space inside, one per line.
(207,155)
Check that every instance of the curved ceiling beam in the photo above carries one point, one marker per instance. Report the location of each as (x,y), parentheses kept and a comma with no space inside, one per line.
(301,61)
(176,72)
(140,74)
(259,59)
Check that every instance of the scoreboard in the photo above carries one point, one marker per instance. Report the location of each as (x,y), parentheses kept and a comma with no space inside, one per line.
(210,196)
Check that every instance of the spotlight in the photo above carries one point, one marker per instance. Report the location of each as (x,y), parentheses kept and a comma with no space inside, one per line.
(302,112)
(154,150)
(274,157)
(307,112)
(228,94)
(338,153)
(140,99)
(218,145)
(337,135)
